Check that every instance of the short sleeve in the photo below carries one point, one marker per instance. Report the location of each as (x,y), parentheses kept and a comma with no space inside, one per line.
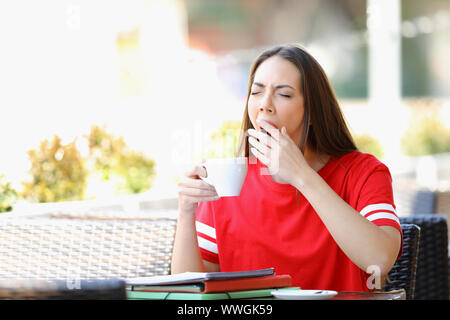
(376,200)
(206,232)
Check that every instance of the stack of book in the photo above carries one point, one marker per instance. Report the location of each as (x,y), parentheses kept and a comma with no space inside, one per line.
(208,285)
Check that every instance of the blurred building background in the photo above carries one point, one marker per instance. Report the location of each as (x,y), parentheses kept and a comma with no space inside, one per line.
(164,75)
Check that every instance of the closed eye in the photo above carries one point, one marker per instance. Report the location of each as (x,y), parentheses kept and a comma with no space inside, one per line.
(254,93)
(285,95)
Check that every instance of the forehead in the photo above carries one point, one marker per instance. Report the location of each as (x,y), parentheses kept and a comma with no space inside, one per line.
(277,70)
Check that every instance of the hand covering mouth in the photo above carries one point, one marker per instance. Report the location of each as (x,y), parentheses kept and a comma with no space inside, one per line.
(269,122)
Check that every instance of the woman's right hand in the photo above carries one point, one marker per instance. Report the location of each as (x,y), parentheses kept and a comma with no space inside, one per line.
(192,190)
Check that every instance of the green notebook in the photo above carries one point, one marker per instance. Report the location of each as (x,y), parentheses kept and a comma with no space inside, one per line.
(247,294)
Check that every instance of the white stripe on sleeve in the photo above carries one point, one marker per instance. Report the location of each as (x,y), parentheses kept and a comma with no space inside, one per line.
(207,245)
(383,215)
(204,228)
(376,207)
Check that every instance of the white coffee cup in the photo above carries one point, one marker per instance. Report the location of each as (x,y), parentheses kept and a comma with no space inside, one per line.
(227,175)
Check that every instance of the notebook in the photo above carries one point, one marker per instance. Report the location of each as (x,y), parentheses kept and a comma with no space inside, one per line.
(189,277)
(226,285)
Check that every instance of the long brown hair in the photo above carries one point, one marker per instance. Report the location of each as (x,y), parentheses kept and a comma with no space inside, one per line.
(324,127)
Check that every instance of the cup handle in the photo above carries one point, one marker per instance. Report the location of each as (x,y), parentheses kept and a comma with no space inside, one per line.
(206,179)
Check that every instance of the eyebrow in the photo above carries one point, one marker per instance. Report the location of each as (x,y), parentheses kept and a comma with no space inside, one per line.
(276,87)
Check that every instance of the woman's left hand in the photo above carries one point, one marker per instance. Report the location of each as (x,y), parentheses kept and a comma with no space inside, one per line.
(283,158)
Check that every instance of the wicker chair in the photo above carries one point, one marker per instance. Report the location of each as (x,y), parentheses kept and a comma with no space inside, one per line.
(432,264)
(403,273)
(73,249)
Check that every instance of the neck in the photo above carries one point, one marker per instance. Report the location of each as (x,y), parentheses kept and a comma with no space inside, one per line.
(315,160)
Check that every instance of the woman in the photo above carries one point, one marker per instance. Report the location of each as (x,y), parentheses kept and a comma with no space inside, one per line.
(311,206)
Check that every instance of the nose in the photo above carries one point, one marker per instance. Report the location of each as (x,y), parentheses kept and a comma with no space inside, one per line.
(266,105)
(266,108)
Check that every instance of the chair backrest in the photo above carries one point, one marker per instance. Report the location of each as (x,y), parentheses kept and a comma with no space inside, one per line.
(432,279)
(403,273)
(47,248)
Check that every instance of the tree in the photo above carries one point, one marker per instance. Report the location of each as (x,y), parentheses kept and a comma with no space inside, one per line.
(427,134)
(224,141)
(369,144)
(57,173)
(8,195)
(132,171)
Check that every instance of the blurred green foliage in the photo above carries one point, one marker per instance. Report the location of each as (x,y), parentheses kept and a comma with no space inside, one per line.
(224,141)
(368,144)
(111,157)
(137,172)
(57,171)
(8,195)
(426,135)
(104,151)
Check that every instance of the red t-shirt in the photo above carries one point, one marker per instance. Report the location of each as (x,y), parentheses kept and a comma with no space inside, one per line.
(273,225)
